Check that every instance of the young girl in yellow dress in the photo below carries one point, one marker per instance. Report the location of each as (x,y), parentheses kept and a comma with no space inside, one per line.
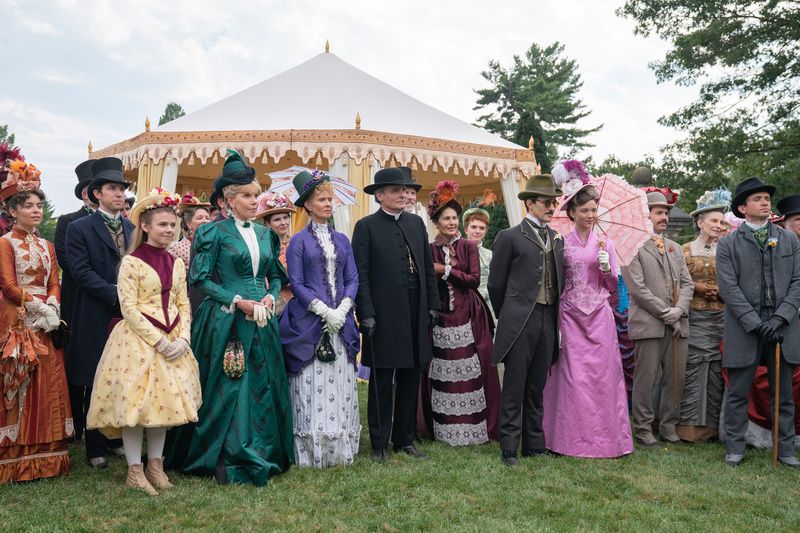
(147,379)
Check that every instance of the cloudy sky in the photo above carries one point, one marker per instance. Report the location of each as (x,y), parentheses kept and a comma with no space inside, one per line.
(92,70)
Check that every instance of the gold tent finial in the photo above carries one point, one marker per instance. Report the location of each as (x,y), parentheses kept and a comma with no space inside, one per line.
(358,120)
(146,123)
(530,143)
(90,148)
(327,47)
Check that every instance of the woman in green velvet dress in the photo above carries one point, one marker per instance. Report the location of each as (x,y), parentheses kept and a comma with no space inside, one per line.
(244,432)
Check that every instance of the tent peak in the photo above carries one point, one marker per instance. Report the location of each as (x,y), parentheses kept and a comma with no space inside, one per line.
(327,47)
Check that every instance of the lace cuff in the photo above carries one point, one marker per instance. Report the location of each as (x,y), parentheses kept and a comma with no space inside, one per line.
(230,309)
(447,269)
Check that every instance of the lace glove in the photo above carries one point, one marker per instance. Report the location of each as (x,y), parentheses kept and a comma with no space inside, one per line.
(672,315)
(175,349)
(602,258)
(161,345)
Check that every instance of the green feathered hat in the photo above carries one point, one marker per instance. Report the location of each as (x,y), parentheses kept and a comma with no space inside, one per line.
(235,171)
(305,183)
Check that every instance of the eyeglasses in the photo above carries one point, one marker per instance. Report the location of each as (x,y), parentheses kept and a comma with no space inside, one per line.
(550,202)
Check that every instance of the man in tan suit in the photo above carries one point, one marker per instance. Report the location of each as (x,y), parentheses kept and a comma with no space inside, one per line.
(661,289)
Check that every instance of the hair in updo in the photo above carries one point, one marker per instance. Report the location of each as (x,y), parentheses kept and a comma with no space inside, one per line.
(477,215)
(324,187)
(188,214)
(702,216)
(21,197)
(583,197)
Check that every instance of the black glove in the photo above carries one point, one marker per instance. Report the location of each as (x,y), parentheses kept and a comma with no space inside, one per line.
(768,330)
(367,326)
(433,318)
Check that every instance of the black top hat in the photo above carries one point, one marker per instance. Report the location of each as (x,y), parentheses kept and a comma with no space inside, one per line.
(790,205)
(414,184)
(392,176)
(85,176)
(106,170)
(745,189)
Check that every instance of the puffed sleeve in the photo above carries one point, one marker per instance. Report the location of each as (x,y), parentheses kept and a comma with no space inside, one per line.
(206,248)
(8,273)
(182,299)
(128,294)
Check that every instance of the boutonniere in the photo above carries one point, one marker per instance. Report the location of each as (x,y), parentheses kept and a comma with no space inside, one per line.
(772,242)
(671,249)
(558,236)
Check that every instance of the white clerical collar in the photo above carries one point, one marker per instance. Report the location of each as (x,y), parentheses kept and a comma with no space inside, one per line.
(536,221)
(109,215)
(396,217)
(756,227)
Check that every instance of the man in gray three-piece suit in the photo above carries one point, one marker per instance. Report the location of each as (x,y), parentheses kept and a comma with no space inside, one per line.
(661,290)
(525,283)
(758,273)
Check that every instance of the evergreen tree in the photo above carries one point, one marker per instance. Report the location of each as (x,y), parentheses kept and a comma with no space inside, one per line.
(171,112)
(536,96)
(6,137)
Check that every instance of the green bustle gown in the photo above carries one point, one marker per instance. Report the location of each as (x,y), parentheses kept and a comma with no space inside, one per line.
(244,431)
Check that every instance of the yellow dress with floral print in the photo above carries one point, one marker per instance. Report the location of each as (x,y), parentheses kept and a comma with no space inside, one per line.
(134,384)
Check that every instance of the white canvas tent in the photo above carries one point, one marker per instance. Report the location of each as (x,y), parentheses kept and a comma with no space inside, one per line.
(312,115)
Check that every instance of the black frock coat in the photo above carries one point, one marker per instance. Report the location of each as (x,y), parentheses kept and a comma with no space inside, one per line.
(383,286)
(60,242)
(93,259)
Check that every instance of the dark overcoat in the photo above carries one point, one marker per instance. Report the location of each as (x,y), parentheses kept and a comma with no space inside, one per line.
(67,283)
(515,276)
(739,267)
(93,259)
(382,264)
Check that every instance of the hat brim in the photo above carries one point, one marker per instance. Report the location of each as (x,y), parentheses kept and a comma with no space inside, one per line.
(708,209)
(79,188)
(660,204)
(566,199)
(143,204)
(372,188)
(536,193)
(301,200)
(475,211)
(278,211)
(450,203)
(98,183)
(740,198)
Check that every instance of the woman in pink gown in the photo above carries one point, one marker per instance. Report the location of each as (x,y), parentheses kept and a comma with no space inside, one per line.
(585,403)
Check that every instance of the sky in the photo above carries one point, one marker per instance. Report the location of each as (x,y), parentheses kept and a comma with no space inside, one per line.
(93,70)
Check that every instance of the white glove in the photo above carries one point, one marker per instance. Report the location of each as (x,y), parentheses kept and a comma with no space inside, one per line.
(52,320)
(36,307)
(676,329)
(320,309)
(602,258)
(335,321)
(672,315)
(261,315)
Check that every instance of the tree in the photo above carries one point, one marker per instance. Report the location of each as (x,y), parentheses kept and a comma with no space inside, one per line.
(537,95)
(6,137)
(47,228)
(745,54)
(171,112)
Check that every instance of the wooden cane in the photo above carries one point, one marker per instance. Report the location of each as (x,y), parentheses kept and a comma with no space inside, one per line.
(777,387)
(675,348)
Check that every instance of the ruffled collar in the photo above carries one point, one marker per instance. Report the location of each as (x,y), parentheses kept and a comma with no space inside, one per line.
(242,223)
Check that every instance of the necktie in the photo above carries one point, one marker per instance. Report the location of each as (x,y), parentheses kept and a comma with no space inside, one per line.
(659,243)
(760,235)
(114,224)
(541,230)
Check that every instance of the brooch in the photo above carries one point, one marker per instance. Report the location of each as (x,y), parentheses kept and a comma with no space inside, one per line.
(772,242)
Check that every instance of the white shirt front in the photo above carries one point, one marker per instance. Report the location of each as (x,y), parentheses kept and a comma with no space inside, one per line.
(251,240)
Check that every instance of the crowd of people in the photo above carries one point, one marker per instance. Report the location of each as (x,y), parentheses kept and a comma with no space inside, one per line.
(233,351)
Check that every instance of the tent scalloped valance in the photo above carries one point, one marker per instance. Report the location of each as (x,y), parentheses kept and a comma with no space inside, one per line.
(330,144)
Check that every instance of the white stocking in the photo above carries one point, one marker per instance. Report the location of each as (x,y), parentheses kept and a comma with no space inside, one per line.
(155,442)
(132,443)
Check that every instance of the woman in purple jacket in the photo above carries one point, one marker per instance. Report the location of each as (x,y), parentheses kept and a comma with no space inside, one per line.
(319,334)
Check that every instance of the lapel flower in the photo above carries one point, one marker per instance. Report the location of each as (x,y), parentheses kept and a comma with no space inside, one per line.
(558,236)
(772,242)
(671,249)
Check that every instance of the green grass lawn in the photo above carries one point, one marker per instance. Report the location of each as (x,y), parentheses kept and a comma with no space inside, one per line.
(668,488)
